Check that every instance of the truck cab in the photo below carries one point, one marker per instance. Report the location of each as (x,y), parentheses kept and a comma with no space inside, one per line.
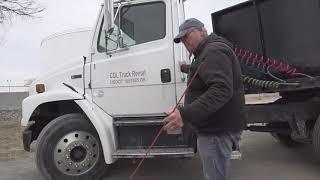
(109,102)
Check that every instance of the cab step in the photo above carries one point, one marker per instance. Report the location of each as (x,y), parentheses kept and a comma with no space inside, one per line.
(138,122)
(163,152)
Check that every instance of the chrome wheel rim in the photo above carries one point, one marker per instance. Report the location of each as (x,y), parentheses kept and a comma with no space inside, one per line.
(76,153)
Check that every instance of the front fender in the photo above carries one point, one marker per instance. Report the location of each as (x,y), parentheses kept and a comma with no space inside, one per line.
(103,124)
(30,103)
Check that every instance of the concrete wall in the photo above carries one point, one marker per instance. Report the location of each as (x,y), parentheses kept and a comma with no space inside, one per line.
(10,105)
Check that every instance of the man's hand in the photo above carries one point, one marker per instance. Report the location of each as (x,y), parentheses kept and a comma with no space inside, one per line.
(182,62)
(173,121)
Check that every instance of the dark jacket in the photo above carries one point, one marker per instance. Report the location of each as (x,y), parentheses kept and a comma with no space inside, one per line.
(214,100)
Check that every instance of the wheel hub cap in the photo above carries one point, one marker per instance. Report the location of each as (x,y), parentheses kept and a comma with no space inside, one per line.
(76,153)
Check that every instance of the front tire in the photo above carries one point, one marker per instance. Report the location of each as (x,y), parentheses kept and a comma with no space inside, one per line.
(286,140)
(69,148)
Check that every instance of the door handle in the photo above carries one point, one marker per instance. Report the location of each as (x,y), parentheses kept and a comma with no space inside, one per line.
(165,75)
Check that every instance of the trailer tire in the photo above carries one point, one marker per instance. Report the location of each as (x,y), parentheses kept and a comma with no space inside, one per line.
(316,138)
(69,148)
(286,140)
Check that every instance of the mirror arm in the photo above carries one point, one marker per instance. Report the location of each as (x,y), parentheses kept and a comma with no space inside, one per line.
(106,40)
(109,14)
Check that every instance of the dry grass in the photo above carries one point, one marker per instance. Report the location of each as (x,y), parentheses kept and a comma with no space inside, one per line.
(10,140)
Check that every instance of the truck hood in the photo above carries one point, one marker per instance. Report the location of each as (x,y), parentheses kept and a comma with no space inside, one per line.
(62,73)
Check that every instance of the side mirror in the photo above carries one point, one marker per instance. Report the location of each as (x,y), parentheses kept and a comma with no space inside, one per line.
(108,16)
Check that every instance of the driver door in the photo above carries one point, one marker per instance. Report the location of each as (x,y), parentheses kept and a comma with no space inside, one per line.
(134,74)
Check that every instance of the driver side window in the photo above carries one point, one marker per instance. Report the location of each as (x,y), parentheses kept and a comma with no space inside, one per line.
(140,23)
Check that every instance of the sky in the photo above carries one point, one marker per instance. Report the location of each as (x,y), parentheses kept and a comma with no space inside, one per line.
(20,39)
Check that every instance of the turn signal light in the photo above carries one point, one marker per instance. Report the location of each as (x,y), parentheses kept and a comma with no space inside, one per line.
(40,88)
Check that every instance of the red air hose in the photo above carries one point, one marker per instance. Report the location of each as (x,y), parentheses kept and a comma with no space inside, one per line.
(276,64)
(162,129)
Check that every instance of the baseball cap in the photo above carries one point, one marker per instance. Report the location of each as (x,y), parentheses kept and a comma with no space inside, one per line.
(185,26)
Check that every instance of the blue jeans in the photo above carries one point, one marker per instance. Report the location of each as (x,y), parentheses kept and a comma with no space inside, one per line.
(215,153)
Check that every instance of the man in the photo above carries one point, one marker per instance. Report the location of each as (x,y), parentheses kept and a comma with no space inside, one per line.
(214,100)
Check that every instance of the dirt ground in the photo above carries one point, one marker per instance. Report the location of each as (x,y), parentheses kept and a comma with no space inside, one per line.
(10,140)
(263,159)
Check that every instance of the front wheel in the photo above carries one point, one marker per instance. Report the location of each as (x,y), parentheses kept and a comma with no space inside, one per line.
(286,140)
(69,148)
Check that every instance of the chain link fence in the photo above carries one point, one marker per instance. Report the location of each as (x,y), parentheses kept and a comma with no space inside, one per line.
(11,105)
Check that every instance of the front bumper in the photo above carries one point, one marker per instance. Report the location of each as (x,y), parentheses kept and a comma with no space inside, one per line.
(28,136)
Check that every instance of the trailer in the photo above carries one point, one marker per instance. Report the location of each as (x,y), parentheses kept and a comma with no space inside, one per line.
(277,43)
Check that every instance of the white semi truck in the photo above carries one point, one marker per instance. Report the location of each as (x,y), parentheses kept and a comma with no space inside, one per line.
(91,110)
(109,102)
